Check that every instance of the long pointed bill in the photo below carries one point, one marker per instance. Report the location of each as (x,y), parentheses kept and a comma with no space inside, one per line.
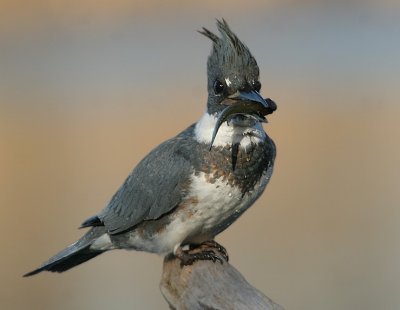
(250,103)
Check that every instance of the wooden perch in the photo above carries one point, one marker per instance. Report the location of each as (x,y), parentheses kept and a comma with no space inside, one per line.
(209,285)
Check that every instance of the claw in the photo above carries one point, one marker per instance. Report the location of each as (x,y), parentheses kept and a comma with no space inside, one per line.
(209,250)
(215,245)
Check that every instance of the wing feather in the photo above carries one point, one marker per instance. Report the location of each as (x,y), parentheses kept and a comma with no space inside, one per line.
(155,186)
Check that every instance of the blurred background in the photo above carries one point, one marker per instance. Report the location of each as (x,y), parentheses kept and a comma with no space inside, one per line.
(87,88)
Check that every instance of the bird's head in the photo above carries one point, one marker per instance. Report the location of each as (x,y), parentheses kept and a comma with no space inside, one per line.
(233,80)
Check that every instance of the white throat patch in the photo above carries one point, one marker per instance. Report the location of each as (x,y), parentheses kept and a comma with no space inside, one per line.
(227,134)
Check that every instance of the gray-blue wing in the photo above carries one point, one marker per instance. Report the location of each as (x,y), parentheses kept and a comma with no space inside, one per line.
(155,187)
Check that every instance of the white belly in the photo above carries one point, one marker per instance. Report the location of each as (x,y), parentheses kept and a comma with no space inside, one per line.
(216,206)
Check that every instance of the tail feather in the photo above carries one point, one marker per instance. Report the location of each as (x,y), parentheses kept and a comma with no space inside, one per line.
(73,255)
(66,263)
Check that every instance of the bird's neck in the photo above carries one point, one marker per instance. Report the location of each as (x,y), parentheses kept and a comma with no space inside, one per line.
(228,134)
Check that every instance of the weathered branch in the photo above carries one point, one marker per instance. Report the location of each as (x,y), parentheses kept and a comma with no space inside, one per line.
(209,285)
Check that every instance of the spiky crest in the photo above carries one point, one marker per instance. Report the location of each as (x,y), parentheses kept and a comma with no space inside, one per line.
(228,51)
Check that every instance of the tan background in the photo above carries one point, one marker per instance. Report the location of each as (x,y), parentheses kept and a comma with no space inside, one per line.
(87,88)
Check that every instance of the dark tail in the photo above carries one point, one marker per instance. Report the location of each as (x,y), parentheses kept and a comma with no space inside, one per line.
(75,254)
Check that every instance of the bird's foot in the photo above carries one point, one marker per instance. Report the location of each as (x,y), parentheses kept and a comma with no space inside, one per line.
(189,258)
(214,245)
(209,250)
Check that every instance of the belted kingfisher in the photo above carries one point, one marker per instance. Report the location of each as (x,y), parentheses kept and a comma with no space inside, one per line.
(192,187)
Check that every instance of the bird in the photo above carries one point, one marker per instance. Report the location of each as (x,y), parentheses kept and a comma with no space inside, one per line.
(193,186)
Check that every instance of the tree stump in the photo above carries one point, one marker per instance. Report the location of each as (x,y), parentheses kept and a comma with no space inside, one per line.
(209,285)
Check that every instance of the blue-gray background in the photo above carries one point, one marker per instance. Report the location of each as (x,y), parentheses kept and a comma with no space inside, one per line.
(87,88)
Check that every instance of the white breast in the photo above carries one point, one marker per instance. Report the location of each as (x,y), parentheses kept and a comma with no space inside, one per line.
(216,203)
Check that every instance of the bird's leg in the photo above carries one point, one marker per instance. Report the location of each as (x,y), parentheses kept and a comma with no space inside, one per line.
(209,250)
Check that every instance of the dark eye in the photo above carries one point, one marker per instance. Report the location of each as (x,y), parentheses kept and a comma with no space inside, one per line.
(218,87)
(256,85)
